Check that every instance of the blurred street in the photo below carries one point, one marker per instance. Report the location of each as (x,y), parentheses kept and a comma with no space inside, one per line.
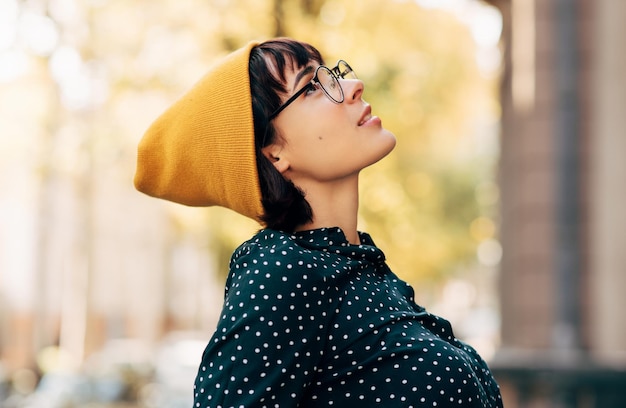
(124,374)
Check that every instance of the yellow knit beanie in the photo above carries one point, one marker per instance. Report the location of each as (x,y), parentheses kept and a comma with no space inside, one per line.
(200,151)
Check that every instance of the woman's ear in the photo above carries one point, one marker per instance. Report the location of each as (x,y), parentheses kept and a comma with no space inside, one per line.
(273,154)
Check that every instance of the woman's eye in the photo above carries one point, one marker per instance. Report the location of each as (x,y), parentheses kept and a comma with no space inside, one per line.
(312,88)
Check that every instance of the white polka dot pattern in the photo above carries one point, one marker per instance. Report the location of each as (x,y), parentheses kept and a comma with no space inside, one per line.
(312,321)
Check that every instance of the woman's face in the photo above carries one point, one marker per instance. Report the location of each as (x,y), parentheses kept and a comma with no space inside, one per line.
(323,140)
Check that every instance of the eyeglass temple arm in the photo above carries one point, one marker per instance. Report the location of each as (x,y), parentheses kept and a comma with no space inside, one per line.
(288,101)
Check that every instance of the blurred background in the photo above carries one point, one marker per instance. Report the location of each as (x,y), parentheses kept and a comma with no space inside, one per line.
(502,203)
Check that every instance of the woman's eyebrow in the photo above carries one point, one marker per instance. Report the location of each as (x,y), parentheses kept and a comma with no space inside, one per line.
(302,73)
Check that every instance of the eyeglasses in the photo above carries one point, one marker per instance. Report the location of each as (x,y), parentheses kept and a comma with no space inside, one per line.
(327,79)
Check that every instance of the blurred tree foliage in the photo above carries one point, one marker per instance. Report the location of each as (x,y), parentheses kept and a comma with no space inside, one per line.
(421,204)
(421,77)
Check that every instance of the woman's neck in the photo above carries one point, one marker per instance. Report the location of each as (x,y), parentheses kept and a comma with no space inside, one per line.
(334,205)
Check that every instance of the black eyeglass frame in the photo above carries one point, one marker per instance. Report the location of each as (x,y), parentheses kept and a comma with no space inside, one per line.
(334,72)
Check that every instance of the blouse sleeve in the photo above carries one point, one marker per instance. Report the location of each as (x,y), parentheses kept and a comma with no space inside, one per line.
(269,337)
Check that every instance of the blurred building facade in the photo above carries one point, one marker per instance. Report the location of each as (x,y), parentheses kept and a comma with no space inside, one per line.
(563,187)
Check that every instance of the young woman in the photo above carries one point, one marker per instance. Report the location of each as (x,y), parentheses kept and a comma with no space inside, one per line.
(312,315)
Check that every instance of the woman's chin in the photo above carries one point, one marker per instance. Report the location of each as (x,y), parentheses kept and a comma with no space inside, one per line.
(390,141)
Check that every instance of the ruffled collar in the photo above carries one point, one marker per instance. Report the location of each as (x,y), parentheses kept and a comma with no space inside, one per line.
(334,240)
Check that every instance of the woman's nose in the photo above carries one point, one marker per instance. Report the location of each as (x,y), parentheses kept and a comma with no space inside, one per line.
(353,89)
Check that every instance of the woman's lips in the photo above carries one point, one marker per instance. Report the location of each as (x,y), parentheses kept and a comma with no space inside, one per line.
(366,115)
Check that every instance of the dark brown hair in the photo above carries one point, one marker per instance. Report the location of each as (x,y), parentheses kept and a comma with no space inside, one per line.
(284,204)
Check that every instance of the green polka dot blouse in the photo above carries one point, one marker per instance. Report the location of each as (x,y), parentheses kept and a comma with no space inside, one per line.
(310,320)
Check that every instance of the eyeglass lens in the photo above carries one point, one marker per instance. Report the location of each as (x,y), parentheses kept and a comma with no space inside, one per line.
(343,70)
(329,84)
(328,79)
